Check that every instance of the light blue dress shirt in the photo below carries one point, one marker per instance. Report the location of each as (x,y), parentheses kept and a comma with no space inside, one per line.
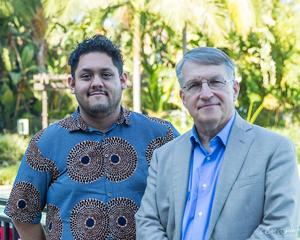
(204,171)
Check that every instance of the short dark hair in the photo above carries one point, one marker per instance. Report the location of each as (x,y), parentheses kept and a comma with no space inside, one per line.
(206,56)
(97,43)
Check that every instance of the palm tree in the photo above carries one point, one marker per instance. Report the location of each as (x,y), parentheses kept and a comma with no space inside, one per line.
(33,16)
(127,12)
(185,14)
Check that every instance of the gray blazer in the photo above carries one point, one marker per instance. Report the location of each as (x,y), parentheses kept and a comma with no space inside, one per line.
(257,193)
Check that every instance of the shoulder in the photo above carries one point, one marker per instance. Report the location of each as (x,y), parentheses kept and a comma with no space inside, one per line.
(269,136)
(153,123)
(53,131)
(182,140)
(149,119)
(263,135)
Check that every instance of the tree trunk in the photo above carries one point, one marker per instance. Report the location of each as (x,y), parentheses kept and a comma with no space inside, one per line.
(41,65)
(184,49)
(136,64)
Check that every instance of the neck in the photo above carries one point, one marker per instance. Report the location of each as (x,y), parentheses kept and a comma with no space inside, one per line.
(207,132)
(205,136)
(101,121)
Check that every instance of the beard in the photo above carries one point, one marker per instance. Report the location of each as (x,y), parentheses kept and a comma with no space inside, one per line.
(104,109)
(101,108)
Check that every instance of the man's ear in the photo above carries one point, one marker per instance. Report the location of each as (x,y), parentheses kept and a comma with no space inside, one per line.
(123,79)
(71,83)
(182,96)
(236,90)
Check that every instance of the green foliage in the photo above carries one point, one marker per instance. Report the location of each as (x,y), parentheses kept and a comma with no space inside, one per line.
(262,38)
(293,133)
(12,148)
(8,174)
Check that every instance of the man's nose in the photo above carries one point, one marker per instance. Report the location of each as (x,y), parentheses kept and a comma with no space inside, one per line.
(205,92)
(97,81)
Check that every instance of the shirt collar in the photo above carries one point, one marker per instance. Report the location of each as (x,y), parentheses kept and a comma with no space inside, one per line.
(223,135)
(75,122)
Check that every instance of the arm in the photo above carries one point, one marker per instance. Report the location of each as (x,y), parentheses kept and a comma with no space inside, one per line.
(281,207)
(148,225)
(28,231)
(28,196)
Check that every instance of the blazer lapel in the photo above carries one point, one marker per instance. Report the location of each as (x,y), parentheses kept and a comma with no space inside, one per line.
(181,156)
(237,148)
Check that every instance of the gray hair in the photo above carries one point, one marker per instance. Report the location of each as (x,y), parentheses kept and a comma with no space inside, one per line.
(205,56)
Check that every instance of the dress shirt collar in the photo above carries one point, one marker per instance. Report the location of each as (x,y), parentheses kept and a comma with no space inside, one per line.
(80,124)
(223,135)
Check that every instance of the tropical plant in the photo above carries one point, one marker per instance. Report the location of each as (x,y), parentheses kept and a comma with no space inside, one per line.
(12,147)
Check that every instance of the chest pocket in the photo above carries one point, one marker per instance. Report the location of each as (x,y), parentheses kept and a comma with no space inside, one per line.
(246,181)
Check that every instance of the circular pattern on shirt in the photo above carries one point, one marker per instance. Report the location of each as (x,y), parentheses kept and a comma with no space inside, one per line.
(54,225)
(85,162)
(38,162)
(156,143)
(120,159)
(89,220)
(121,213)
(24,202)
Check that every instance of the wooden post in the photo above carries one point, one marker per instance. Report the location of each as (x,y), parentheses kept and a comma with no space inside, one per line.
(44,109)
(44,82)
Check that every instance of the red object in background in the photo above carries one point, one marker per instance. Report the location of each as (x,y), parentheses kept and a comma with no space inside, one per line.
(2,233)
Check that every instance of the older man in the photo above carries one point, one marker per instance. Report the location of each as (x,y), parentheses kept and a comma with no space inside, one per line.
(225,179)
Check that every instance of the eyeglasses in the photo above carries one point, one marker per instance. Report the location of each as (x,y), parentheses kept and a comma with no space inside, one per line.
(193,87)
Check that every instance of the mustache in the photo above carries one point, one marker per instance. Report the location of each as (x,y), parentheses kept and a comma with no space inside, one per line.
(207,104)
(97,91)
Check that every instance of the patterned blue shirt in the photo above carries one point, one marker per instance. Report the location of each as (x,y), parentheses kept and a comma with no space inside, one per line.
(92,182)
(203,177)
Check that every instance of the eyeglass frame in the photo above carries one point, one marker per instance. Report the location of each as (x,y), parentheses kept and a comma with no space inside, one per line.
(223,83)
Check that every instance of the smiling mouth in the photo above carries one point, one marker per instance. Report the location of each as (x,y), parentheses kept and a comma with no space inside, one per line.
(208,105)
(97,93)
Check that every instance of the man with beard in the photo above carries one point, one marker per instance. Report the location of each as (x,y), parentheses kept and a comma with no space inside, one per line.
(90,168)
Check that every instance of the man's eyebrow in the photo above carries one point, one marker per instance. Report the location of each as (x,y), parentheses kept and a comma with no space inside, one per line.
(106,69)
(197,78)
(85,70)
(90,69)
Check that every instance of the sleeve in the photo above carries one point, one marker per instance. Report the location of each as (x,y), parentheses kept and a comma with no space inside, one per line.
(28,196)
(281,208)
(148,225)
(173,130)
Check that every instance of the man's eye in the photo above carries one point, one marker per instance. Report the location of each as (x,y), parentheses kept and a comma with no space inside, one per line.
(85,76)
(216,83)
(107,75)
(193,86)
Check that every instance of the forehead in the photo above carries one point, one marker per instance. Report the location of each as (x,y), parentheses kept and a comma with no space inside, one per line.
(95,60)
(193,70)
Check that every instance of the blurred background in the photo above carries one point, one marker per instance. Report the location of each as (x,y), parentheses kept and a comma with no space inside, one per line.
(36,37)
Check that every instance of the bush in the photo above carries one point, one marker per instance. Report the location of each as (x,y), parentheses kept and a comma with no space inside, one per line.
(12,148)
(8,174)
(293,133)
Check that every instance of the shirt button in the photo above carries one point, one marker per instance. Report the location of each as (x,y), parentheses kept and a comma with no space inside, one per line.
(208,158)
(109,194)
(200,214)
(204,185)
